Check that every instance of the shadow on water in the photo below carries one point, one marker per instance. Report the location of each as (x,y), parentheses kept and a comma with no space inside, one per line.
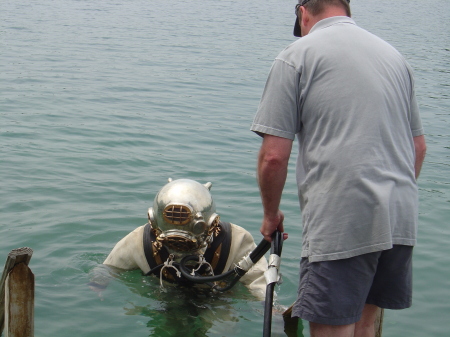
(184,311)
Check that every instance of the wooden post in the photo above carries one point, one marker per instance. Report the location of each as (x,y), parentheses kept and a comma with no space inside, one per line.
(379,323)
(17,295)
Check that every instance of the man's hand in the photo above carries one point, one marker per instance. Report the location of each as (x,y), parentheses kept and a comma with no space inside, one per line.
(272,223)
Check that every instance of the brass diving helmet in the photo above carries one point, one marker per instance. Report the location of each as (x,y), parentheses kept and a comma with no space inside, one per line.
(183,216)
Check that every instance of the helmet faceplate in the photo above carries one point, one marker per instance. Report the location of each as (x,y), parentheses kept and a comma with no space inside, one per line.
(183,215)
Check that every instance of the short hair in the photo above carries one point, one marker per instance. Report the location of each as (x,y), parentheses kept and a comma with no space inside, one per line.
(316,7)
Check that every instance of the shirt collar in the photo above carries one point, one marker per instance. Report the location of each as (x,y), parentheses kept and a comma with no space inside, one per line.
(324,23)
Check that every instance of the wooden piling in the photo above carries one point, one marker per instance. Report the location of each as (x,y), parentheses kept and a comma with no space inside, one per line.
(17,295)
(379,322)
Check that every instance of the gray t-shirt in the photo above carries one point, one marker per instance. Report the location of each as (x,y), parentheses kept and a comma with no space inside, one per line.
(349,97)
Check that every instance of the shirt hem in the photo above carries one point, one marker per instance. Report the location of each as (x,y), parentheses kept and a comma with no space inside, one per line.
(358,251)
(261,130)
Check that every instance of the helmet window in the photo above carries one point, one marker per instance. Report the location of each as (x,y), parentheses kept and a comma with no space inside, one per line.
(177,214)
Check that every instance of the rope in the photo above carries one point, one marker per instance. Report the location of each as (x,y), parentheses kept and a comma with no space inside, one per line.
(201,262)
(167,264)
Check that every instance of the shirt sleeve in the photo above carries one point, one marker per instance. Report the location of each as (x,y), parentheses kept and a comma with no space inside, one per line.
(415,121)
(278,112)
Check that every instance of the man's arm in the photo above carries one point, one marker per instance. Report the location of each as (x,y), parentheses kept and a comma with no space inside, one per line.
(420,148)
(273,162)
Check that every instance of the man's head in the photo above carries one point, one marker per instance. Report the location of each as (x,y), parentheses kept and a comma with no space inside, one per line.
(183,216)
(309,12)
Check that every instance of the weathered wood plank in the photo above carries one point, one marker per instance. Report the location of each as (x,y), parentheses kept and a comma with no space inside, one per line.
(19,302)
(379,323)
(16,256)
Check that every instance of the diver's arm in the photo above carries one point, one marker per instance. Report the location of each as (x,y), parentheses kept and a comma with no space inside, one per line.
(127,254)
(100,277)
(242,244)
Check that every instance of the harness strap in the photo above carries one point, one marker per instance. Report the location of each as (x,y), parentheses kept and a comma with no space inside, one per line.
(219,250)
(155,257)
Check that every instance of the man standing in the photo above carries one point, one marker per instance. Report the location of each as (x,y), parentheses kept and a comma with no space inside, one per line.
(349,97)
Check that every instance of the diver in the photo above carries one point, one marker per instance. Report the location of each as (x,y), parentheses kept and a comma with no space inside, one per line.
(183,226)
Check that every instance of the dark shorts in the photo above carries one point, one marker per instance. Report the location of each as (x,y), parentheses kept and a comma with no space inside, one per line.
(335,292)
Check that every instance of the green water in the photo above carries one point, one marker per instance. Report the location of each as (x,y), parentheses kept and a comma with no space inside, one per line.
(102,101)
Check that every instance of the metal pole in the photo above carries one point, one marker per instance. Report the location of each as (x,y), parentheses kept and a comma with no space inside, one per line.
(272,277)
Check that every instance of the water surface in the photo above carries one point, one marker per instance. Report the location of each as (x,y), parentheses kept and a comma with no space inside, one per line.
(102,101)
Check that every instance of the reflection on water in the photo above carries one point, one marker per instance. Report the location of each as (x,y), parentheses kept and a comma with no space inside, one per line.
(184,311)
